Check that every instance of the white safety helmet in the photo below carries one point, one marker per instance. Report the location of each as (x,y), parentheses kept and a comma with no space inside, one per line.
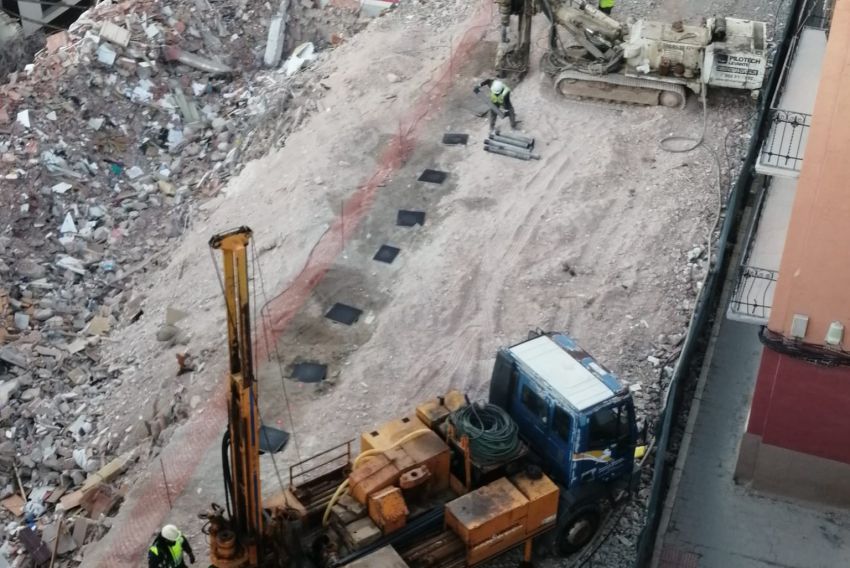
(496,87)
(170,532)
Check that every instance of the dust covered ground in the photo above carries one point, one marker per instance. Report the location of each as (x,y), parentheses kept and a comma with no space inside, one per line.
(604,237)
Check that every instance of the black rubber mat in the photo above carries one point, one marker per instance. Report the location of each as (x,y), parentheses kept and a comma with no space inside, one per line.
(272,440)
(344,314)
(455,139)
(433,176)
(386,254)
(310,372)
(410,218)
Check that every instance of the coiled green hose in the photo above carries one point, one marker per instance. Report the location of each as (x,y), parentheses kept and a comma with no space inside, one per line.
(493,435)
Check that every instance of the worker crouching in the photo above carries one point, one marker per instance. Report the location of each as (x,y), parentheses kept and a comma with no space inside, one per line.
(168,548)
(500,101)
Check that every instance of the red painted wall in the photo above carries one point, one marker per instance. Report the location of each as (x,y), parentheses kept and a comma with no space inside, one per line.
(802,407)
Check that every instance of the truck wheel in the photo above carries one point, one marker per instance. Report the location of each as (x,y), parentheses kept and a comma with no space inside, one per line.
(578,530)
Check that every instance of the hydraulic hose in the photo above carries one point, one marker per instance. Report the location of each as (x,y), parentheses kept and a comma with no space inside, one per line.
(493,434)
(225,469)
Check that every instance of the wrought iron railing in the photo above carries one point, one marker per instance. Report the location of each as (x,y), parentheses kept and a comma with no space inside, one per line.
(819,15)
(753,293)
(785,143)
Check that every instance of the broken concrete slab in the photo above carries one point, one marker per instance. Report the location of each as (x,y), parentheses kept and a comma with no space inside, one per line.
(23,118)
(187,108)
(106,55)
(100,500)
(68,225)
(212,66)
(300,55)
(98,325)
(14,504)
(7,389)
(22,321)
(110,471)
(115,34)
(173,315)
(66,543)
(276,41)
(13,356)
(80,529)
(374,8)
(61,187)
(75,265)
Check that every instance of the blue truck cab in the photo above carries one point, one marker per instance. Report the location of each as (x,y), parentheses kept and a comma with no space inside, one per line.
(578,420)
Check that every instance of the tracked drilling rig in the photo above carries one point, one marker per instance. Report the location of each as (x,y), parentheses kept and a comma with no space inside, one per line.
(591,55)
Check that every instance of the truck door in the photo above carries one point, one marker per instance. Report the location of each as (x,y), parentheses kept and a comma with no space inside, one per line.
(531,413)
(610,444)
(546,427)
(560,445)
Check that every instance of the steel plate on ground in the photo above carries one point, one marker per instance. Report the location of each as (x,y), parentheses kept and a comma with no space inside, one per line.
(343,313)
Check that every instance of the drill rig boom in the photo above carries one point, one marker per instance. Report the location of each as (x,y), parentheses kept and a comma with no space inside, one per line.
(235,542)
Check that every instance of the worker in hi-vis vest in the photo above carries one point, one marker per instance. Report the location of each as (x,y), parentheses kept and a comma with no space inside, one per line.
(500,100)
(168,548)
(606,6)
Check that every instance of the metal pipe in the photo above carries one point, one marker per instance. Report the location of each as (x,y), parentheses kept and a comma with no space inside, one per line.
(517,137)
(511,153)
(503,146)
(510,141)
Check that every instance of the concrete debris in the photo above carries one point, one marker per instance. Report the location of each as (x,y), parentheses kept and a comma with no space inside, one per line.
(57,41)
(12,356)
(24,118)
(173,53)
(68,225)
(113,136)
(115,34)
(276,37)
(106,55)
(173,315)
(300,56)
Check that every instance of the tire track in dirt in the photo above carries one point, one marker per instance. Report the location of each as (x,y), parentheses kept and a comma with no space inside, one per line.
(460,351)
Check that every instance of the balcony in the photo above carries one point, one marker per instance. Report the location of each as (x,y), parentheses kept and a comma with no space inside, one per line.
(759,268)
(791,109)
(781,160)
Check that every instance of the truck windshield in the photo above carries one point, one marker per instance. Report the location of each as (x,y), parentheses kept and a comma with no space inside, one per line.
(607,426)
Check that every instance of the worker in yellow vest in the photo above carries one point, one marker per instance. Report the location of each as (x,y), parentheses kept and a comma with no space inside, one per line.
(168,548)
(606,6)
(500,101)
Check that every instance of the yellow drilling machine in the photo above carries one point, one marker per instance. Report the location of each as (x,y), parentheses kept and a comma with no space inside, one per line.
(449,483)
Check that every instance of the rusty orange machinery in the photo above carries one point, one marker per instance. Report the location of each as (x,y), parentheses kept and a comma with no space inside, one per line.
(408,464)
(503,514)
(404,464)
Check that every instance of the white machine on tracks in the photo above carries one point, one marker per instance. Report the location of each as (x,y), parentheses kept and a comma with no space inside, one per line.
(643,62)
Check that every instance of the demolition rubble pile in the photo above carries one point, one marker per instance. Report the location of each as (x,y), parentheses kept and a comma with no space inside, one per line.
(106,141)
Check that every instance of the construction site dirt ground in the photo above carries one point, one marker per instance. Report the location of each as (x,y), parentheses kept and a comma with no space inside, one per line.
(592,239)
